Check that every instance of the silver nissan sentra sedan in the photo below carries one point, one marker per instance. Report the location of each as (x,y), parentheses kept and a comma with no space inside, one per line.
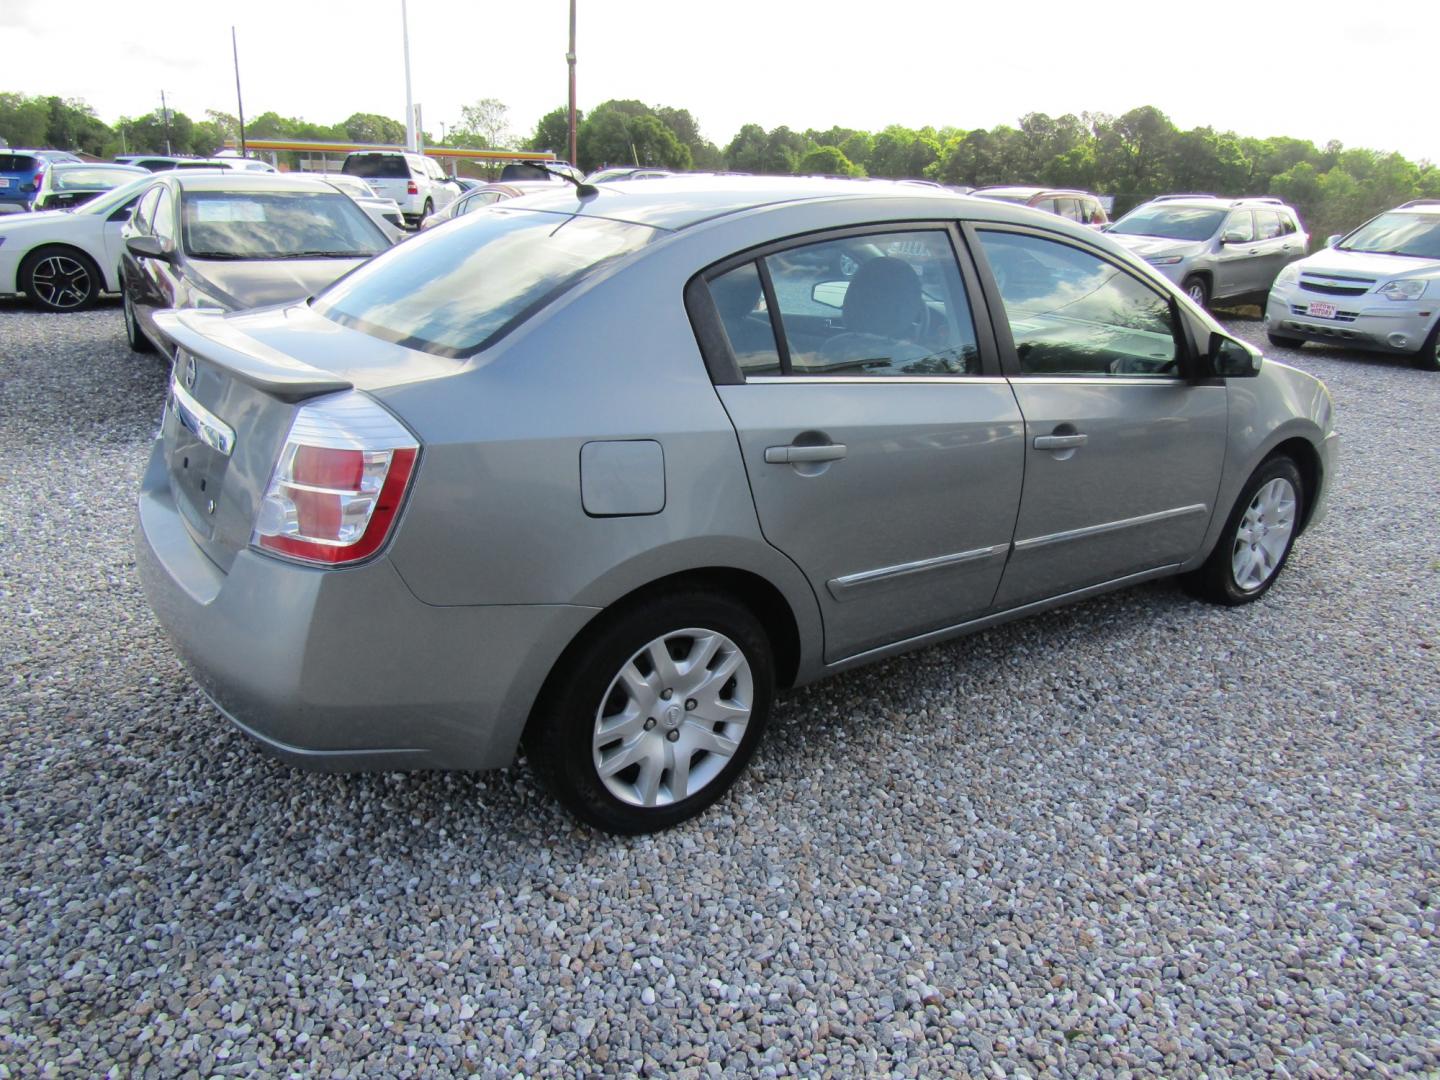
(601,470)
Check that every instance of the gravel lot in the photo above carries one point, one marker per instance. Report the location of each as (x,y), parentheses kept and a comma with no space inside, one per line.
(1142,834)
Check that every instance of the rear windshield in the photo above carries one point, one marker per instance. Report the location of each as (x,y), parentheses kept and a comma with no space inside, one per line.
(277,225)
(1397,233)
(455,290)
(377,166)
(17,163)
(90,179)
(1171,222)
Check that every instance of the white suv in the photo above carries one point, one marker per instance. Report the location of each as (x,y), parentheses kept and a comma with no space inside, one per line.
(1377,288)
(414,181)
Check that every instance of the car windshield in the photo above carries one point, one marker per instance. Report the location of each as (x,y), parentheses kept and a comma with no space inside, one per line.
(377,166)
(90,179)
(455,290)
(1170,222)
(1397,233)
(276,225)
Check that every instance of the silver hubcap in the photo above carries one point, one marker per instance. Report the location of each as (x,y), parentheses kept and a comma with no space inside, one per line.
(61,282)
(1197,293)
(673,717)
(1263,535)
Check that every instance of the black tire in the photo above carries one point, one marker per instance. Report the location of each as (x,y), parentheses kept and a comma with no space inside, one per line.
(1428,358)
(1284,342)
(425,212)
(60,279)
(134,336)
(1197,289)
(1216,581)
(562,734)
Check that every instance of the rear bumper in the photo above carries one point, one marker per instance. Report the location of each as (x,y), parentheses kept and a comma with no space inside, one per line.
(1398,327)
(346,670)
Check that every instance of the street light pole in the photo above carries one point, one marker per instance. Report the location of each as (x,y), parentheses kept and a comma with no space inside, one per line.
(165,115)
(570,59)
(410,143)
(239,101)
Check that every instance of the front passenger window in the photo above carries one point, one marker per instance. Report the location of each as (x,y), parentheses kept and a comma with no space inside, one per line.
(1074,313)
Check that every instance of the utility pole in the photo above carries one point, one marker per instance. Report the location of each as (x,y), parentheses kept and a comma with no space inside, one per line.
(165,114)
(239,101)
(570,59)
(410,143)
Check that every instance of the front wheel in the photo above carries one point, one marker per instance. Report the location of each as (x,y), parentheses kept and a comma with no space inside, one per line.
(1197,290)
(1257,539)
(134,336)
(655,712)
(1284,342)
(1428,358)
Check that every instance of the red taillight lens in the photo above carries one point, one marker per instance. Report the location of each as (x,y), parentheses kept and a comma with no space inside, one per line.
(339,483)
(412,188)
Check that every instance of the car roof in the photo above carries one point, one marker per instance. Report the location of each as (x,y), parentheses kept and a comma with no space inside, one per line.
(678,201)
(242,180)
(1219,202)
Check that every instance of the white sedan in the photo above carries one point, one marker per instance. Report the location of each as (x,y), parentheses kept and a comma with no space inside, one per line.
(64,259)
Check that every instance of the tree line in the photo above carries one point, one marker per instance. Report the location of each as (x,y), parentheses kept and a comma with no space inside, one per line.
(1132,157)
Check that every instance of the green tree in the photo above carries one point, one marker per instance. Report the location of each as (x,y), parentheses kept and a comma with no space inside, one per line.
(629,133)
(703,153)
(828,161)
(23,119)
(746,152)
(483,124)
(373,128)
(553,131)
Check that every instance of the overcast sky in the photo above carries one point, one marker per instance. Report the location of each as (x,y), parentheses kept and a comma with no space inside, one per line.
(1357,72)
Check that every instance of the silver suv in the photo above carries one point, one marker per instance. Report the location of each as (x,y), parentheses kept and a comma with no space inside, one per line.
(1213,248)
(1376,288)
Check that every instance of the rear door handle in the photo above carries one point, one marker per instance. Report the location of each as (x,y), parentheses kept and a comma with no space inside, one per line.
(1059,442)
(791,455)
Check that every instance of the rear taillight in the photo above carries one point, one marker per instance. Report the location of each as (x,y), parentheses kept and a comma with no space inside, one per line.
(412,188)
(339,483)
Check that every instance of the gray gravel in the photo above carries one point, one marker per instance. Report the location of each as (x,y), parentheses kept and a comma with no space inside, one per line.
(1141,835)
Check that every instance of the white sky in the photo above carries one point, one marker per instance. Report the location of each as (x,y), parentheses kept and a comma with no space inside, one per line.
(1355,71)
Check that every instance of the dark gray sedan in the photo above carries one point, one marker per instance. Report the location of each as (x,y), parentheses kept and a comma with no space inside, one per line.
(602,473)
(235,240)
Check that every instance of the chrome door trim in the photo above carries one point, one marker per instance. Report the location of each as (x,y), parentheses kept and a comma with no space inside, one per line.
(1109,526)
(1103,380)
(852,585)
(996,618)
(867,380)
(194,417)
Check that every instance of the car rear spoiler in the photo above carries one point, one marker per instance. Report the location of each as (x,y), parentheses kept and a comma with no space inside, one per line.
(210,335)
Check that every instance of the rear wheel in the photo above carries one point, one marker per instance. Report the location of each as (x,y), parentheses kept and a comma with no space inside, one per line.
(1196,288)
(60,279)
(426,211)
(133,334)
(1257,539)
(655,712)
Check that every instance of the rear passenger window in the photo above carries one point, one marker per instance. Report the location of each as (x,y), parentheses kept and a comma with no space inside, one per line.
(1073,313)
(1070,210)
(1267,225)
(740,300)
(881,304)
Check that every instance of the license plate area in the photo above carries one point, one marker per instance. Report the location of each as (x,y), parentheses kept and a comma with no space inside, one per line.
(197,473)
(4,181)
(1321,309)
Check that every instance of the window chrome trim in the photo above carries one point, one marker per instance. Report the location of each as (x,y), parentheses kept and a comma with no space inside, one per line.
(194,417)
(1109,527)
(1103,380)
(869,380)
(852,585)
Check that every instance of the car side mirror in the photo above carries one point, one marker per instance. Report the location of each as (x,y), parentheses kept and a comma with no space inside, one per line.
(150,247)
(1234,236)
(1231,359)
(1332,239)
(830,293)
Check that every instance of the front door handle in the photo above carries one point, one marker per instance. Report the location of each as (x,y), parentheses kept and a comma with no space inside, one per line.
(792,455)
(1059,442)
